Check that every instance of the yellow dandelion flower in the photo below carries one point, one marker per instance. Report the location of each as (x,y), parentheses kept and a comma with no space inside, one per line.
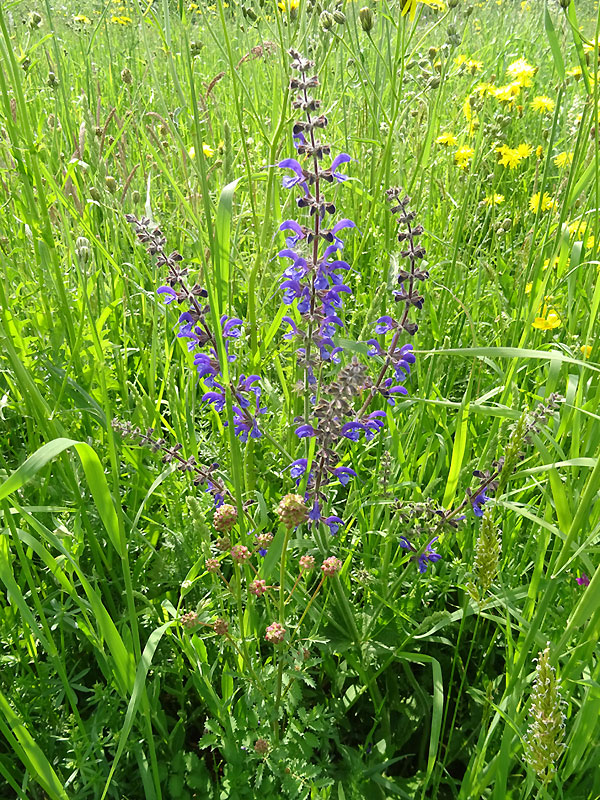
(547,263)
(545,105)
(473,66)
(447,139)
(120,19)
(508,93)
(539,151)
(463,156)
(562,159)
(575,72)
(410,6)
(545,202)
(512,157)
(207,150)
(586,350)
(485,89)
(590,46)
(578,227)
(521,72)
(548,320)
(493,199)
(460,60)
(82,18)
(590,242)
(528,288)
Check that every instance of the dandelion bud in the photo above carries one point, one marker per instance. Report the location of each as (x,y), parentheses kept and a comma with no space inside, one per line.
(135,196)
(111,184)
(240,554)
(307,563)
(189,619)
(225,517)
(433,51)
(95,194)
(261,746)
(34,20)
(221,627)
(292,510)
(258,587)
(331,566)
(564,3)
(83,251)
(275,633)
(195,48)
(468,11)
(52,79)
(126,76)
(327,20)
(452,3)
(543,741)
(212,564)
(339,17)
(251,14)
(367,19)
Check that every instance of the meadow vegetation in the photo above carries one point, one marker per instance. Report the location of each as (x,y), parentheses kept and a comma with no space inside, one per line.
(299,399)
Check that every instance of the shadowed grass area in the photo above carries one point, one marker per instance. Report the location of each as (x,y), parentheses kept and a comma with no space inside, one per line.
(137,655)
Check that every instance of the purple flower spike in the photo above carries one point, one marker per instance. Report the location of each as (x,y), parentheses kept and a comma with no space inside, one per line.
(291,163)
(298,468)
(428,557)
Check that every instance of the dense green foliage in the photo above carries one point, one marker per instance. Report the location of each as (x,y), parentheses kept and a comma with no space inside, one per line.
(395,683)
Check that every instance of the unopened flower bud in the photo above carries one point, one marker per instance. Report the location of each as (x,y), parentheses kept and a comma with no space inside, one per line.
(95,194)
(225,517)
(292,510)
(135,196)
(327,20)
(452,3)
(275,633)
(240,554)
(221,627)
(52,79)
(111,184)
(331,566)
(126,76)
(339,17)
(367,19)
(223,544)
(83,251)
(564,3)
(189,619)
(212,564)
(261,746)
(258,587)
(307,563)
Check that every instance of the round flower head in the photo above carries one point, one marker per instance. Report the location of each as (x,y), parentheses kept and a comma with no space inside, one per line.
(331,566)
(307,563)
(189,619)
(212,565)
(261,746)
(221,627)
(263,540)
(223,544)
(258,587)
(292,510)
(275,633)
(225,517)
(240,554)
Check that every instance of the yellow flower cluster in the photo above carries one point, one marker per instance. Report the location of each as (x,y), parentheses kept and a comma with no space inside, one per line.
(494,199)
(447,139)
(463,156)
(512,157)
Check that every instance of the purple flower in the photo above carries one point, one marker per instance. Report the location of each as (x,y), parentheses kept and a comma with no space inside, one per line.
(375,349)
(584,580)
(315,513)
(343,474)
(169,292)
(298,178)
(231,327)
(385,325)
(333,523)
(343,158)
(298,468)
(293,328)
(298,232)
(428,556)
(305,430)
(478,502)
(352,430)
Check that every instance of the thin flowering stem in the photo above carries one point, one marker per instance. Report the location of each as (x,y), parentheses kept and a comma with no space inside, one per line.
(306,610)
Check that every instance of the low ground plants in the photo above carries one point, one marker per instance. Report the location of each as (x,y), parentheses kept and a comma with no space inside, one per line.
(299,400)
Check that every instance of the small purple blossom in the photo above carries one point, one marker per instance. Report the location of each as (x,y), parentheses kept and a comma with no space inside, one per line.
(477,503)
(583,580)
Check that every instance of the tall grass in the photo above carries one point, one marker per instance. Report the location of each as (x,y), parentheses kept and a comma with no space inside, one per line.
(413,685)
